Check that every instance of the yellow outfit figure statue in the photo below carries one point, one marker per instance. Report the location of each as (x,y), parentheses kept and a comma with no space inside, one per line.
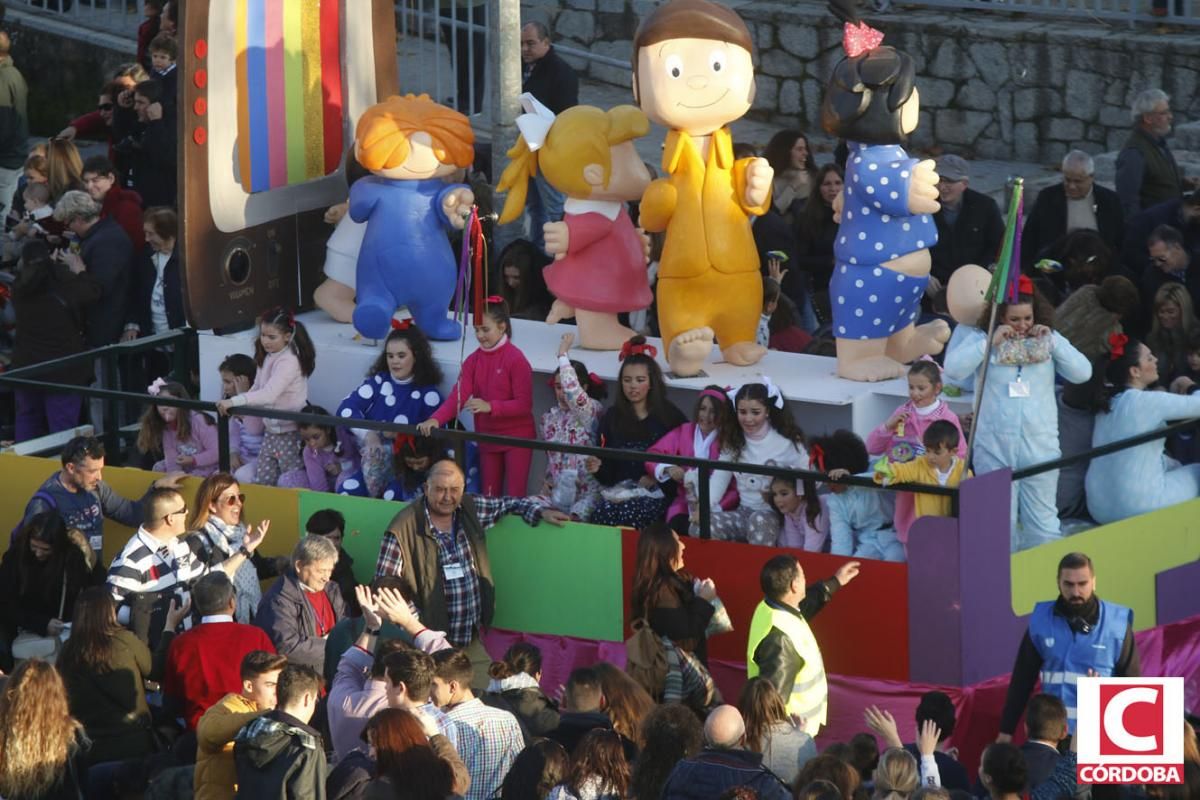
(693,73)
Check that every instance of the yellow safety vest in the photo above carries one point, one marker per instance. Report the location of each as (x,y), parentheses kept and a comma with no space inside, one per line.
(809,699)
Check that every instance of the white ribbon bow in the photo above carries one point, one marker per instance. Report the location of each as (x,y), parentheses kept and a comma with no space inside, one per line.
(535,123)
(773,392)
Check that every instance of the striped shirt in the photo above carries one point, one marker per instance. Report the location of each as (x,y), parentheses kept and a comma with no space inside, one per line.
(147,566)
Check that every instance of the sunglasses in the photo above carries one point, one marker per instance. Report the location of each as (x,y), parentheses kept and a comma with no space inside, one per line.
(105,107)
(234,499)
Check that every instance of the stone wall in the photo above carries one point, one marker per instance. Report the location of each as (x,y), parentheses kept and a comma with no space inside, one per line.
(992,85)
(65,73)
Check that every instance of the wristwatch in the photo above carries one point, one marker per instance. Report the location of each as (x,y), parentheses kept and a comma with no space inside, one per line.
(371,632)
(245,552)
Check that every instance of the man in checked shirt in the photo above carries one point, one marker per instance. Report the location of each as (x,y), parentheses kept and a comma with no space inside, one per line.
(436,544)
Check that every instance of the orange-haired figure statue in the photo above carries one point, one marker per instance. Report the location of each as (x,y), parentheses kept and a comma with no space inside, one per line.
(693,73)
(410,144)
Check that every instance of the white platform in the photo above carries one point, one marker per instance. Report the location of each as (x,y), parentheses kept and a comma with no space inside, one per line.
(820,401)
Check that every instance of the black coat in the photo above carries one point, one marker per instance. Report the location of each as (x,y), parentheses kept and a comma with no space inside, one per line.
(50,324)
(975,237)
(278,757)
(145,277)
(1047,222)
(553,82)
(108,254)
(43,595)
(149,153)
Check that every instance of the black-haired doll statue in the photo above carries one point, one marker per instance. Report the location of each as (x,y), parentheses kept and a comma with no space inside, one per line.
(881,252)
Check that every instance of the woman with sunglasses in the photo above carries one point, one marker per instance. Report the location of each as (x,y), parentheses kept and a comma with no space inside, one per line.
(218,529)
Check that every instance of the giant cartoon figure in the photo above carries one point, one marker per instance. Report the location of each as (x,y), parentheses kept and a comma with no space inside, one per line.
(692,73)
(600,266)
(881,254)
(411,144)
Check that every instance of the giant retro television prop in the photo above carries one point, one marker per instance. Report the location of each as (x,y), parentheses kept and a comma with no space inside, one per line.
(271,92)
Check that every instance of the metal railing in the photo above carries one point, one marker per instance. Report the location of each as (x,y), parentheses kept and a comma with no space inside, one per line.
(24,378)
(120,17)
(1132,12)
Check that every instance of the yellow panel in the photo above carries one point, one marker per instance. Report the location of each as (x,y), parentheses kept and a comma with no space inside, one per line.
(22,475)
(1127,555)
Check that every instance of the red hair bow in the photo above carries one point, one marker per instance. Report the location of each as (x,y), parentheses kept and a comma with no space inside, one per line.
(402,441)
(860,38)
(401,324)
(493,299)
(816,457)
(1024,286)
(630,349)
(595,379)
(1116,345)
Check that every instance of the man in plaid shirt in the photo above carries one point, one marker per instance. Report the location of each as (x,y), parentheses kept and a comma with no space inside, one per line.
(436,546)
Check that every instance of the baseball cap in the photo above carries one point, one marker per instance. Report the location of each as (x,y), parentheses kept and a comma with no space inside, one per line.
(952,168)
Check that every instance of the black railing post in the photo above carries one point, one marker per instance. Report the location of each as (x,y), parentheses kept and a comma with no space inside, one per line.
(112,408)
(223,454)
(702,499)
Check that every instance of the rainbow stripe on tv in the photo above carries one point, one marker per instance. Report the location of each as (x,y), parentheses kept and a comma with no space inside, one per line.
(289,91)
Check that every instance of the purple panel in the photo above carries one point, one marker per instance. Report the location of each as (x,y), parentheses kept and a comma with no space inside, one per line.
(1175,595)
(990,630)
(934,602)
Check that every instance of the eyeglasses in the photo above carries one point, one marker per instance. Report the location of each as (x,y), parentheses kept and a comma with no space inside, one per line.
(1161,261)
(234,499)
(105,107)
(176,512)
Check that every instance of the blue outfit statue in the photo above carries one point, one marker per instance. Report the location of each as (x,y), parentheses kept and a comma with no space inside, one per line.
(406,258)
(1017,424)
(869,300)
(860,524)
(1140,479)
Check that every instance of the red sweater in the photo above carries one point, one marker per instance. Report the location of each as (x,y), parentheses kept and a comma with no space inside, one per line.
(504,379)
(125,208)
(204,664)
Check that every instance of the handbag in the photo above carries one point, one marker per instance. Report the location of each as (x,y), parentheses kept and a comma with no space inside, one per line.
(29,645)
(646,658)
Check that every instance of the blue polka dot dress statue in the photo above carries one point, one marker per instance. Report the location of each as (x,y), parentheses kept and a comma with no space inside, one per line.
(881,253)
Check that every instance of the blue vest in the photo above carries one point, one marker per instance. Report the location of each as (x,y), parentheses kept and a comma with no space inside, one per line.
(1067,656)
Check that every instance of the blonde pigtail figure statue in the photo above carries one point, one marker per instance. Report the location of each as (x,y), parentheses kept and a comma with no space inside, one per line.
(693,73)
(600,260)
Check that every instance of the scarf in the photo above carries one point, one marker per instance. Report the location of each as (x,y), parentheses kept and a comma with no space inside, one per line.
(520,681)
(227,539)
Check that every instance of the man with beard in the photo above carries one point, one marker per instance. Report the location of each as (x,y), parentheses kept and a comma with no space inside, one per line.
(1076,636)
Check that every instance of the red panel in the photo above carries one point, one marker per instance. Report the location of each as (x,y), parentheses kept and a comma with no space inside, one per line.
(855,638)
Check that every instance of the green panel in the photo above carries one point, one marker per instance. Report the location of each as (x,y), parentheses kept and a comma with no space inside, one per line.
(1127,554)
(562,581)
(366,520)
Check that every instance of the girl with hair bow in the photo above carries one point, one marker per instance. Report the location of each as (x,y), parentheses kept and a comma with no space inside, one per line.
(187,439)
(1139,479)
(762,432)
(496,385)
(600,262)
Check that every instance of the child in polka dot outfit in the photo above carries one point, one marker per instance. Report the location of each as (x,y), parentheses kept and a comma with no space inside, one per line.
(401,387)
(881,251)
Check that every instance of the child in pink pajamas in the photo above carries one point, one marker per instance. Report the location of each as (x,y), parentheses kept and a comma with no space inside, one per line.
(574,419)
(496,385)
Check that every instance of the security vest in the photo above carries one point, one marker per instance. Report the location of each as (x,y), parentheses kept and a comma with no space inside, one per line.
(809,698)
(1067,656)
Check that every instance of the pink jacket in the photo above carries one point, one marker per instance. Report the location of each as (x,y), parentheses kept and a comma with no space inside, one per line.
(279,384)
(504,379)
(681,442)
(799,534)
(882,441)
(202,446)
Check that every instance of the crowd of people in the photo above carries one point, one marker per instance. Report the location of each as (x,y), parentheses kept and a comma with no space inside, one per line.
(172,671)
